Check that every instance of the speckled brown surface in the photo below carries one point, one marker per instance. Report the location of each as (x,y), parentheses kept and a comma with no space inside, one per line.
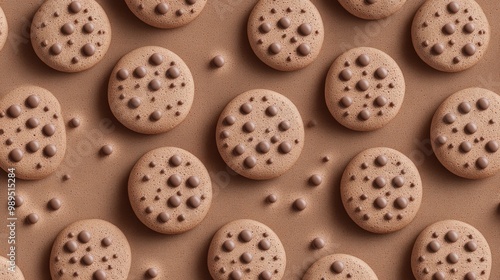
(96,185)
(260,134)
(471,151)
(4,29)
(70,38)
(437,43)
(33,132)
(451,249)
(364,89)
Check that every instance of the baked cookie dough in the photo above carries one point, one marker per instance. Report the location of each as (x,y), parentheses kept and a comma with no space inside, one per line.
(381,190)
(372,9)
(32,132)
(90,249)
(170,190)
(364,89)
(260,134)
(6,272)
(4,29)
(450,36)
(451,250)
(285,35)
(150,90)
(465,133)
(166,13)
(246,249)
(70,36)
(339,266)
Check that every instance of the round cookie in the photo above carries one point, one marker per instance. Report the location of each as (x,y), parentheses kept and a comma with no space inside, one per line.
(32,132)
(246,249)
(465,133)
(364,89)
(70,36)
(285,35)
(90,249)
(339,266)
(4,28)
(166,14)
(381,190)
(450,35)
(260,134)
(150,90)
(451,250)
(6,271)
(170,190)
(372,9)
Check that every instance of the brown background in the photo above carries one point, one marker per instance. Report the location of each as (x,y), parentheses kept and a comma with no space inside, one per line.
(98,186)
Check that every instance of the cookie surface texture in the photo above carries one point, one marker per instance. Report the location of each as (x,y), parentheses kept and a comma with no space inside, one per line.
(465,133)
(6,272)
(90,249)
(4,29)
(364,89)
(450,36)
(150,90)
(372,9)
(451,249)
(170,190)
(285,35)
(339,266)
(246,249)
(70,36)
(260,134)
(381,190)
(165,13)
(32,132)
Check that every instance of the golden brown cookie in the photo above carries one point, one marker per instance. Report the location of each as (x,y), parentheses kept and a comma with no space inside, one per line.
(246,249)
(450,36)
(170,190)
(339,266)
(70,36)
(166,13)
(364,89)
(260,134)
(381,190)
(451,250)
(32,132)
(4,28)
(150,90)
(372,9)
(9,271)
(90,249)
(286,35)
(465,133)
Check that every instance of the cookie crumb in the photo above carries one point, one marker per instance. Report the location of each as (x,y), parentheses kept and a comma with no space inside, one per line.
(218,61)
(19,200)
(315,180)
(300,204)
(106,150)
(272,198)
(312,123)
(32,218)
(152,273)
(318,243)
(74,122)
(54,204)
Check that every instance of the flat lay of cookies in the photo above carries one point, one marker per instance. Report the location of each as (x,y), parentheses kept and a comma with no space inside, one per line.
(259,140)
